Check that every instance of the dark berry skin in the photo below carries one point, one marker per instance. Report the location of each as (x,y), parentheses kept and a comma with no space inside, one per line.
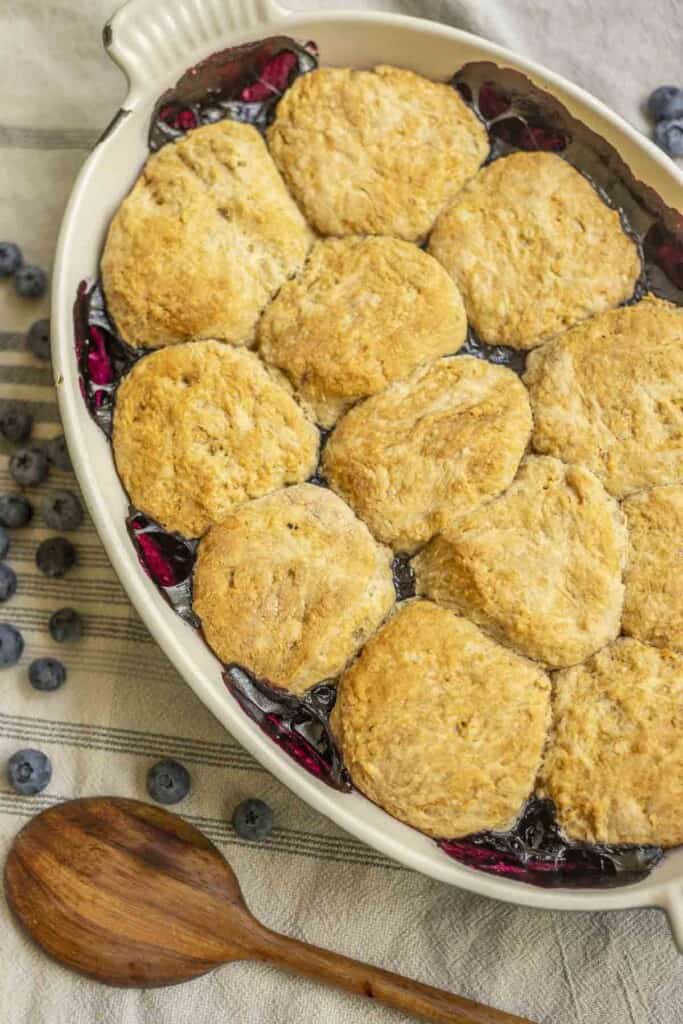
(10,258)
(669,135)
(30,282)
(62,510)
(16,422)
(46,674)
(15,511)
(4,542)
(168,782)
(8,583)
(665,103)
(38,339)
(253,820)
(66,626)
(11,645)
(29,771)
(29,467)
(58,453)
(55,556)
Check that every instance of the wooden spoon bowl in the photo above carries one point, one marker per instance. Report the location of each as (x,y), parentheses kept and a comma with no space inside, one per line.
(130,894)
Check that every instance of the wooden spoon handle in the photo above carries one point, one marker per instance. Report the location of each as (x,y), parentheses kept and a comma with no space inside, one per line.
(365,980)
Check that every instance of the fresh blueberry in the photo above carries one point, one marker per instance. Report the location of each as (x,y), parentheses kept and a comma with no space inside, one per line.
(38,339)
(58,453)
(666,103)
(10,258)
(669,135)
(168,782)
(66,626)
(8,582)
(62,510)
(4,542)
(46,674)
(29,466)
(11,645)
(15,511)
(55,556)
(15,422)
(253,820)
(29,771)
(30,282)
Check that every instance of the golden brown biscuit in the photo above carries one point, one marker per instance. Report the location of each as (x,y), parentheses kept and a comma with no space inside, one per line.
(374,152)
(609,395)
(427,450)
(291,585)
(614,763)
(363,313)
(533,249)
(440,725)
(653,603)
(199,428)
(540,567)
(206,237)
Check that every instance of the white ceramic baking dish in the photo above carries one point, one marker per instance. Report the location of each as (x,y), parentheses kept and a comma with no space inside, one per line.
(154,41)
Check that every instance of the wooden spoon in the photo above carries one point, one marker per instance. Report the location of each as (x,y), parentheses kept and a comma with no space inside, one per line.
(132,895)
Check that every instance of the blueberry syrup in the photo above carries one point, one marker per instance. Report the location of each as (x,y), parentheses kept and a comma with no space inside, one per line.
(245,84)
(536,852)
(299,725)
(242,84)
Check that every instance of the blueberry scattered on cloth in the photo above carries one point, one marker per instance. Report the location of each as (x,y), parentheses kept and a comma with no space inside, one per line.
(253,820)
(29,467)
(10,258)
(8,583)
(29,771)
(46,674)
(11,645)
(30,282)
(666,103)
(55,556)
(15,511)
(62,510)
(15,422)
(38,339)
(168,782)
(58,453)
(4,542)
(669,135)
(66,626)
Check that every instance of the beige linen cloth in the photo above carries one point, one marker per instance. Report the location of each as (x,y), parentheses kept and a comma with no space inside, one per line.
(124,706)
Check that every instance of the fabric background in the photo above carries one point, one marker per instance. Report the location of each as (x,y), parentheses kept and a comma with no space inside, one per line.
(124,706)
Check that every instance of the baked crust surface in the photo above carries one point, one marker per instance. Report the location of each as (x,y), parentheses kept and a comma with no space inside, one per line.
(440,725)
(533,250)
(291,585)
(374,152)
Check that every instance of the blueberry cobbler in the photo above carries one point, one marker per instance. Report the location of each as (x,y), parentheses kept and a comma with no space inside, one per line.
(393,375)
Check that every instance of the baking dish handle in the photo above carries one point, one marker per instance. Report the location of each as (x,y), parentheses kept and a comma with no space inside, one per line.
(674,909)
(146,37)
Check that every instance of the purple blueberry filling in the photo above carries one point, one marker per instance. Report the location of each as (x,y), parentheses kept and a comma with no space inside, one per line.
(245,84)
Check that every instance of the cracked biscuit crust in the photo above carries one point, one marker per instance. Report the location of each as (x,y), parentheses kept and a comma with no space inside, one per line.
(653,605)
(291,585)
(203,241)
(429,449)
(363,313)
(614,762)
(201,427)
(440,725)
(540,567)
(609,395)
(533,250)
(374,152)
